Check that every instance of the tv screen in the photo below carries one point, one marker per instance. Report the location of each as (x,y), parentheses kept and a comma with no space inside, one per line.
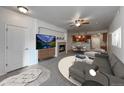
(45,41)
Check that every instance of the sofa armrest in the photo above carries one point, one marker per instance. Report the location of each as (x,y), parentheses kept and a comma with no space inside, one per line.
(102,79)
(114,81)
(80,72)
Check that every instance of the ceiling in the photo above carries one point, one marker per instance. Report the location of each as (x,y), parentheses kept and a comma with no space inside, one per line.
(100,16)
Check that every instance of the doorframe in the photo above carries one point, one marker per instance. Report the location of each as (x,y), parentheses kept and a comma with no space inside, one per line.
(5,47)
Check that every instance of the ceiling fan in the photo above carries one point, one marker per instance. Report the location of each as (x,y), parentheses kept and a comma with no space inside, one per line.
(79,22)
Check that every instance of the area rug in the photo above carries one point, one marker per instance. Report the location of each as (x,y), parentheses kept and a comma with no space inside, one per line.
(32,76)
(64,65)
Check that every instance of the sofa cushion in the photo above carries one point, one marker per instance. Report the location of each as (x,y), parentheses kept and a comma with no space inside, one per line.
(80,68)
(103,64)
(76,71)
(115,81)
(118,69)
(113,59)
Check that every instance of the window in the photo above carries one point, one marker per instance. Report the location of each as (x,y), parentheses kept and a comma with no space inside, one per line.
(116,38)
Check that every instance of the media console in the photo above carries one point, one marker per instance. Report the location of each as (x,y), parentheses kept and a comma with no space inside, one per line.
(46,53)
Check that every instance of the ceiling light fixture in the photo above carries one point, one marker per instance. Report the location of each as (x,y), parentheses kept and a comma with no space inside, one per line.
(77,24)
(79,36)
(22,9)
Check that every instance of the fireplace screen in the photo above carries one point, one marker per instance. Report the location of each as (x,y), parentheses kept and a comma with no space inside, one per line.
(61,48)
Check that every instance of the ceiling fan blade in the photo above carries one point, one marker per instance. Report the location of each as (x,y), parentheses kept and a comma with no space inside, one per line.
(86,23)
(81,21)
(72,25)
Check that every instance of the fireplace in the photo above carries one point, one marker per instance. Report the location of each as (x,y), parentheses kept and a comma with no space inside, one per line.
(61,48)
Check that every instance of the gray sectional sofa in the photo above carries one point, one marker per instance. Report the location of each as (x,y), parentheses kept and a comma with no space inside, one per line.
(110,70)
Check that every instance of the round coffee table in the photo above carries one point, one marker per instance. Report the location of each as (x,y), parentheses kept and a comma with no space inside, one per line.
(83,58)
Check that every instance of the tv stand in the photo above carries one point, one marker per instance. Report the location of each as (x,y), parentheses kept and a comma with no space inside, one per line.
(46,53)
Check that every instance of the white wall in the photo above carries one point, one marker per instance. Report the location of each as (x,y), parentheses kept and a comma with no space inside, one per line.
(117,22)
(10,17)
(48,29)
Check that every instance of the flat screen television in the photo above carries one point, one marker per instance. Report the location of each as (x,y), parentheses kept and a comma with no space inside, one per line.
(45,41)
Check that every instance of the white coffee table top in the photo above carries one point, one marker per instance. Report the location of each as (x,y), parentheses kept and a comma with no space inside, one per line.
(86,59)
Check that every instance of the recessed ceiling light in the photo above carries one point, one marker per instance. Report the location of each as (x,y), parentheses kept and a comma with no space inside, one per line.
(22,9)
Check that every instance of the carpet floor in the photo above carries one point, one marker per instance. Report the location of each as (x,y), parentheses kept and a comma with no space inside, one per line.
(55,79)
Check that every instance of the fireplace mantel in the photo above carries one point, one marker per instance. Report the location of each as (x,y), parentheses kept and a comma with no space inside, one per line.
(59,41)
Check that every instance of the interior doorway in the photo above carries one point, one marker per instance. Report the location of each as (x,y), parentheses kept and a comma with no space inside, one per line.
(17,54)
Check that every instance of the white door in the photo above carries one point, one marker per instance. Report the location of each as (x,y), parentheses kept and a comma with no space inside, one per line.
(17,47)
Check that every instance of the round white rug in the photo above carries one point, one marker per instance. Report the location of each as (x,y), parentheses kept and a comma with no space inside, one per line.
(64,65)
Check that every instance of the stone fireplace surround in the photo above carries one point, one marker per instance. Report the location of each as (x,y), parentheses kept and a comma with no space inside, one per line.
(61,47)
